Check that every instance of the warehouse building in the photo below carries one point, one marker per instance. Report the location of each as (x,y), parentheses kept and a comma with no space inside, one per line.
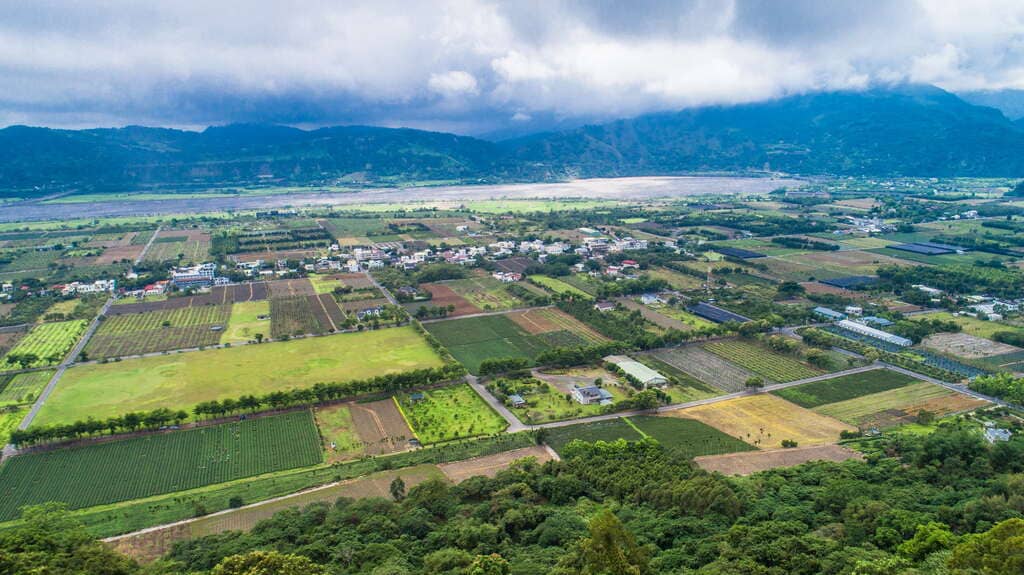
(875,333)
(638,371)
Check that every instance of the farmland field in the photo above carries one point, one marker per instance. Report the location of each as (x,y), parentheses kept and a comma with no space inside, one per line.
(485,293)
(380,426)
(558,286)
(973,325)
(765,420)
(50,342)
(244,322)
(967,346)
(900,405)
(490,465)
(556,327)
(761,360)
(475,339)
(705,366)
(162,330)
(192,245)
(448,413)
(608,430)
(9,419)
(688,437)
(340,440)
(23,387)
(844,387)
(161,463)
(677,280)
(179,381)
(293,315)
(752,462)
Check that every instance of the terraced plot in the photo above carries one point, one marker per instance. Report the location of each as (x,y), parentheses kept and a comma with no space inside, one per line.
(165,330)
(47,342)
(760,360)
(162,463)
(705,366)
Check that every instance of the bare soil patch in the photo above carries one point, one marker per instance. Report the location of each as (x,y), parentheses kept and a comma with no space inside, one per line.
(490,465)
(118,253)
(442,296)
(516,264)
(355,281)
(748,462)
(285,288)
(653,316)
(967,345)
(364,304)
(381,427)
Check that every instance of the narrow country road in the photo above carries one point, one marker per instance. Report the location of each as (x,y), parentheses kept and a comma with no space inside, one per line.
(145,250)
(69,359)
(485,313)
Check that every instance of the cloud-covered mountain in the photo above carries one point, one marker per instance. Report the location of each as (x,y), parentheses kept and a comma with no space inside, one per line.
(909,130)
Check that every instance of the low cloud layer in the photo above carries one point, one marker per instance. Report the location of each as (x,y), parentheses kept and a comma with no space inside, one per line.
(475,66)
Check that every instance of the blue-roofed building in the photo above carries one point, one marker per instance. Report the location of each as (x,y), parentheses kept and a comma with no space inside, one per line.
(516,400)
(829,314)
(876,321)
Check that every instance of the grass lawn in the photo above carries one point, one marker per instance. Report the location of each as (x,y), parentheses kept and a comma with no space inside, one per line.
(475,339)
(549,404)
(845,387)
(558,286)
(339,434)
(485,293)
(685,317)
(9,420)
(448,413)
(244,322)
(179,381)
(909,398)
(323,284)
(66,307)
(610,430)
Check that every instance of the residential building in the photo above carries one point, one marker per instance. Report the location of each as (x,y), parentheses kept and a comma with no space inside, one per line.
(201,275)
(591,394)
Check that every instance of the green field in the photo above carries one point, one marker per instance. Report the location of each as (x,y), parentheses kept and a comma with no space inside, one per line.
(10,417)
(323,284)
(485,293)
(972,325)
(558,286)
(448,413)
(844,387)
(689,437)
(131,323)
(161,330)
(760,360)
(475,339)
(341,442)
(23,388)
(160,463)
(179,381)
(609,430)
(50,342)
(858,410)
(244,323)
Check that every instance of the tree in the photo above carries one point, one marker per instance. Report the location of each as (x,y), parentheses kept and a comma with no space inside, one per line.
(267,563)
(259,337)
(754,382)
(492,564)
(397,489)
(998,551)
(611,549)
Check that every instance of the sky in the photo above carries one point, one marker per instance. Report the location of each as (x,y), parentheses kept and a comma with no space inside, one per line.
(475,66)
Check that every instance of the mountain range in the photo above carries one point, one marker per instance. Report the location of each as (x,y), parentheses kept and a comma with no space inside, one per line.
(908,130)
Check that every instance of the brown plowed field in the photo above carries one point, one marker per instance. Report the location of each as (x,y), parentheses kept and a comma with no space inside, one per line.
(364,304)
(381,426)
(333,311)
(118,253)
(285,288)
(355,281)
(490,465)
(747,462)
(442,296)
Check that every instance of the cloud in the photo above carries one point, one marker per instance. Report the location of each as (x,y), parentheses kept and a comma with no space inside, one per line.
(477,65)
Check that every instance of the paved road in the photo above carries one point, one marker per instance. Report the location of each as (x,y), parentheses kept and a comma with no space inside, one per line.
(9,450)
(514,424)
(145,250)
(486,313)
(383,290)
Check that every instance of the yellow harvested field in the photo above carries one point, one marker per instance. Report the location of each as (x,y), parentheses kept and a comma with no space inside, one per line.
(899,405)
(765,420)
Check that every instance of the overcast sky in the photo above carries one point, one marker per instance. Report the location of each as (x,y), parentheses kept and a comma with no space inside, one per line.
(473,66)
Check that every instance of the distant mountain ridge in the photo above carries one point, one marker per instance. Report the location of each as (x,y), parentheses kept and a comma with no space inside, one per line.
(904,131)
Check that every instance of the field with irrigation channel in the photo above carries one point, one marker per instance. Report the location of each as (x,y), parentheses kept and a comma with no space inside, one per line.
(48,342)
(762,361)
(181,380)
(844,387)
(161,463)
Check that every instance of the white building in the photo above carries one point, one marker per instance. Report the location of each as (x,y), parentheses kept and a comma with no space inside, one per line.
(875,333)
(638,371)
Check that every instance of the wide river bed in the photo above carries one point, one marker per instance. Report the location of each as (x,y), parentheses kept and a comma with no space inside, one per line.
(642,188)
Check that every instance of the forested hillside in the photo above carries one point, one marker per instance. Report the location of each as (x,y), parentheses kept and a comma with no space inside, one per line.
(908,130)
(921,505)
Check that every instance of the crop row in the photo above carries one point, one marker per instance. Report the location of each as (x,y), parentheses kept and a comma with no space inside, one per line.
(48,342)
(152,320)
(761,361)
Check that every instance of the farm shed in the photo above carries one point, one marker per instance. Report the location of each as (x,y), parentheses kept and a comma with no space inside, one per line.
(875,333)
(638,371)
(850,282)
(516,400)
(829,314)
(738,253)
(715,313)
